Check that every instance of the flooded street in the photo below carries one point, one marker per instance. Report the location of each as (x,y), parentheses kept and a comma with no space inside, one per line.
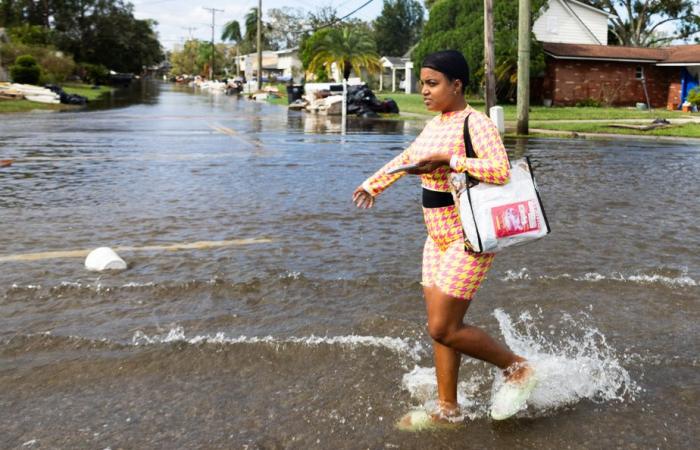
(260,309)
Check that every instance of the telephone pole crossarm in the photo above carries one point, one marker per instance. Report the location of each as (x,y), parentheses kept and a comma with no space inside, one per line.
(213,48)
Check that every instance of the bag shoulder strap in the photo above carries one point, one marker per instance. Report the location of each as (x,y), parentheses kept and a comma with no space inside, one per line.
(468,146)
(469,150)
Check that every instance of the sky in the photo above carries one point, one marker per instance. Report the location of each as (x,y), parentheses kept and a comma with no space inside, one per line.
(178,20)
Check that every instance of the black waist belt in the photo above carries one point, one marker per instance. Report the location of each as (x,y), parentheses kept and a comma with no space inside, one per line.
(436,199)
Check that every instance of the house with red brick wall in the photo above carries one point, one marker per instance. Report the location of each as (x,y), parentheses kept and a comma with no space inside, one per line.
(621,76)
(580,66)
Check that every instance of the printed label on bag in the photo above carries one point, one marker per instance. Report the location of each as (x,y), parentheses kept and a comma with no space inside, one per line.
(515,218)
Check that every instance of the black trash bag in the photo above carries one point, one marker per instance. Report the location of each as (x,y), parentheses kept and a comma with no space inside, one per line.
(67,99)
(363,102)
(73,99)
(390,106)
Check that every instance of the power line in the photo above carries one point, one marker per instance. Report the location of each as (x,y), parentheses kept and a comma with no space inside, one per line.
(213,48)
(333,22)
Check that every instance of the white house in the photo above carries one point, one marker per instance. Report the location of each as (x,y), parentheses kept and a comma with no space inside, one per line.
(398,64)
(283,64)
(572,22)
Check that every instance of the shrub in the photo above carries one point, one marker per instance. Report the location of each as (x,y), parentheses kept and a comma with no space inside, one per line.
(25,70)
(93,73)
(55,66)
(590,102)
(694,96)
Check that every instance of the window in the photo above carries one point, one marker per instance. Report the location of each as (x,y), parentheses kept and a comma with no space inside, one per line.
(639,73)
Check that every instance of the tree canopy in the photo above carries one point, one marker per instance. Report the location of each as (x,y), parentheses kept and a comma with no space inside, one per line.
(349,47)
(93,31)
(459,25)
(286,27)
(650,23)
(232,32)
(250,38)
(398,26)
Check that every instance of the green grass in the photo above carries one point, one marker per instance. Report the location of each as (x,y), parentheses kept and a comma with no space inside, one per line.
(87,90)
(15,106)
(678,130)
(413,104)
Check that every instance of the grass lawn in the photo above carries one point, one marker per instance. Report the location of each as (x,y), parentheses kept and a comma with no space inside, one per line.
(413,103)
(15,106)
(679,130)
(86,90)
(565,119)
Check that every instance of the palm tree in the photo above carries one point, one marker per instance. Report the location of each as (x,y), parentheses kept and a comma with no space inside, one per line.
(232,32)
(251,26)
(348,48)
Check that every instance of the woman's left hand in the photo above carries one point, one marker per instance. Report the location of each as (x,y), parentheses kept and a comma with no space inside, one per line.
(430,163)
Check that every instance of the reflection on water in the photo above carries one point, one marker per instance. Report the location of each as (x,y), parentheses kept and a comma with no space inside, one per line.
(291,327)
(138,92)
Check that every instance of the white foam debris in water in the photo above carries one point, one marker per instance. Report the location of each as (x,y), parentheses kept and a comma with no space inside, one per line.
(401,346)
(572,364)
(512,275)
(682,280)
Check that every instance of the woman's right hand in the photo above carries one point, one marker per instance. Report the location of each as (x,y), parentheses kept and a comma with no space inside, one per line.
(362,198)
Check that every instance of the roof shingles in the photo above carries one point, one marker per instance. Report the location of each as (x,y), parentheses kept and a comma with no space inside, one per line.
(662,55)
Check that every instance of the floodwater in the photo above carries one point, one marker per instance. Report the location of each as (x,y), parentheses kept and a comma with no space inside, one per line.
(260,309)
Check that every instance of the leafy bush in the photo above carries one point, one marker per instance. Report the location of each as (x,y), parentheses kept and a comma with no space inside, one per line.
(694,96)
(589,102)
(30,35)
(93,73)
(25,70)
(55,66)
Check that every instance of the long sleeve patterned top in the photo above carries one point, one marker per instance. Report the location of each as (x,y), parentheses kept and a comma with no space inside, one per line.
(444,134)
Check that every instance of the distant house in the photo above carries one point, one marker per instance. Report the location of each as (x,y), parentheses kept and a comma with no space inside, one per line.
(617,75)
(284,65)
(581,66)
(4,39)
(572,22)
(401,65)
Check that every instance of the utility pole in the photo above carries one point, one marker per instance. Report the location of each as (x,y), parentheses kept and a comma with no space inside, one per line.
(259,44)
(523,67)
(189,31)
(213,49)
(489,57)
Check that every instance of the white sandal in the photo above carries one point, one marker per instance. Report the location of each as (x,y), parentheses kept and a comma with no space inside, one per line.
(512,397)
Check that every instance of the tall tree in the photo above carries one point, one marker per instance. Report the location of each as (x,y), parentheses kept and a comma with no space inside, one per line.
(349,48)
(458,25)
(398,27)
(232,32)
(286,26)
(95,31)
(249,43)
(323,17)
(650,23)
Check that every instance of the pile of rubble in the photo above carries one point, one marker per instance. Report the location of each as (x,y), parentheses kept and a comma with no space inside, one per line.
(361,102)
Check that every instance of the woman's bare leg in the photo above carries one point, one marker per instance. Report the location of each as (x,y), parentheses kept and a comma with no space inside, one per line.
(446,367)
(446,327)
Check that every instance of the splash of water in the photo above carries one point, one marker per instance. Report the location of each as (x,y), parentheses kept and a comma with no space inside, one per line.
(573,362)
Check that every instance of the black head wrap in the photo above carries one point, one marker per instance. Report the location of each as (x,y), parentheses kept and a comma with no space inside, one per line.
(451,63)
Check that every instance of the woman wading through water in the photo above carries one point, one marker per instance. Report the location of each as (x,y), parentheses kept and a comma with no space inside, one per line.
(451,274)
